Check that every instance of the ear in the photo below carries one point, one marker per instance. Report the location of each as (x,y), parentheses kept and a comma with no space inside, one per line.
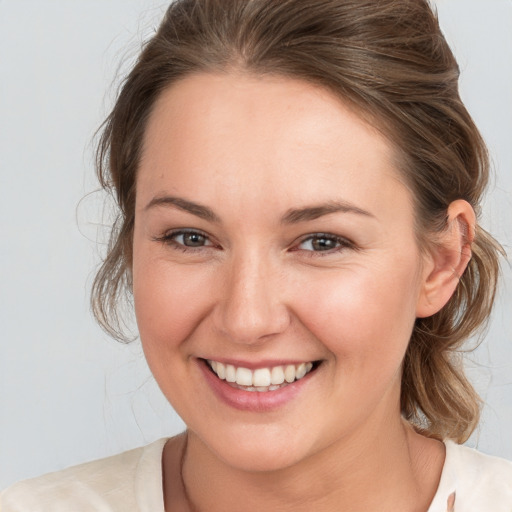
(447,259)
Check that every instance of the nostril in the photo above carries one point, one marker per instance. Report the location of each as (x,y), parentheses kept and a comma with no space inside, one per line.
(249,324)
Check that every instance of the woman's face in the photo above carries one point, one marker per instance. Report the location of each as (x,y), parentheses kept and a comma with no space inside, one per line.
(272,237)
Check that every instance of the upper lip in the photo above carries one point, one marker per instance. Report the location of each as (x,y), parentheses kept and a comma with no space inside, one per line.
(264,363)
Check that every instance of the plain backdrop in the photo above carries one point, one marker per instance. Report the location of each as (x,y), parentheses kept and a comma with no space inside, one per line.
(69,394)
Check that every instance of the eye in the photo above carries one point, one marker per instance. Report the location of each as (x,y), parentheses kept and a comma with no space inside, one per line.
(323,242)
(190,239)
(185,239)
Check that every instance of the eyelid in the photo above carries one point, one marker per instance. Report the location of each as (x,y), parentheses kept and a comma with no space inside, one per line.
(168,238)
(344,243)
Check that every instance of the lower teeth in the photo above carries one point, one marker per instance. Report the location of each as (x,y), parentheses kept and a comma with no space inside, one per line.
(259,389)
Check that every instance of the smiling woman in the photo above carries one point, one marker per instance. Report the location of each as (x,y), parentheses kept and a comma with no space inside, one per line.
(272,276)
(299,187)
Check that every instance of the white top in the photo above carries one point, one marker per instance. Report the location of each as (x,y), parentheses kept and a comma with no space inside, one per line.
(132,482)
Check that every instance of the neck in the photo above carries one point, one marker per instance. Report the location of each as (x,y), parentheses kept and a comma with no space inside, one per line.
(393,469)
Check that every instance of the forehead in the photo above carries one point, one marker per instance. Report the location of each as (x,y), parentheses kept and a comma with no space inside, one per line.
(210,133)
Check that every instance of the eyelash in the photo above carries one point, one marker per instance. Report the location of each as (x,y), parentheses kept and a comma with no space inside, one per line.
(169,239)
(342,243)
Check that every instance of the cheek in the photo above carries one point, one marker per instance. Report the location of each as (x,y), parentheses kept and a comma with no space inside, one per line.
(169,304)
(361,315)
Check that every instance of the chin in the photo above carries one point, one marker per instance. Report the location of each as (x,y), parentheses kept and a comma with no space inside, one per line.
(266,450)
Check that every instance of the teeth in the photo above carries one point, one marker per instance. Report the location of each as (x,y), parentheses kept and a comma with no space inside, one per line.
(262,379)
(220,371)
(230,372)
(289,373)
(243,376)
(301,371)
(277,375)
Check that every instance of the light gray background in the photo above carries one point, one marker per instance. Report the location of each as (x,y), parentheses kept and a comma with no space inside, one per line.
(67,393)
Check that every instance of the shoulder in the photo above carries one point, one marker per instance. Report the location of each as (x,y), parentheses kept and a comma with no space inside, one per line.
(115,483)
(457,453)
(479,481)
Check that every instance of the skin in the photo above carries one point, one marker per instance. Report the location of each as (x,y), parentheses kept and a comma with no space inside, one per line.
(252,150)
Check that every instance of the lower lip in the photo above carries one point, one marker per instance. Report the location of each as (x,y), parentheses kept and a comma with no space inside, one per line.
(256,401)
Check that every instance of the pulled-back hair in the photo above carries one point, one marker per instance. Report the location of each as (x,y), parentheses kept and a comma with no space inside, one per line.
(390,61)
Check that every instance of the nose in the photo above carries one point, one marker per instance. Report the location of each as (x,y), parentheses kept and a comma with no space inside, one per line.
(251,308)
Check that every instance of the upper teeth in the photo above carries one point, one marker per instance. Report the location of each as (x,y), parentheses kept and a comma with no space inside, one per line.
(262,377)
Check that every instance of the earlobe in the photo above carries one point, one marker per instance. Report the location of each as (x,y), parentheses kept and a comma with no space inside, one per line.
(448,258)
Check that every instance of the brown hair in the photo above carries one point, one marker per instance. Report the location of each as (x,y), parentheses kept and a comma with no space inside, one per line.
(389,59)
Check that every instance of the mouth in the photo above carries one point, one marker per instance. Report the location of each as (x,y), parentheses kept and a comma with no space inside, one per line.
(261,380)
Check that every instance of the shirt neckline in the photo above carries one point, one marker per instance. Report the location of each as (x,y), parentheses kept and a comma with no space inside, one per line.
(149,479)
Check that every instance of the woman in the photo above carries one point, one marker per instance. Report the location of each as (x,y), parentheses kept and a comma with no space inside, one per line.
(299,186)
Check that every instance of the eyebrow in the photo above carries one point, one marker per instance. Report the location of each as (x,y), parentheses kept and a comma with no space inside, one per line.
(293,216)
(314,212)
(196,209)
